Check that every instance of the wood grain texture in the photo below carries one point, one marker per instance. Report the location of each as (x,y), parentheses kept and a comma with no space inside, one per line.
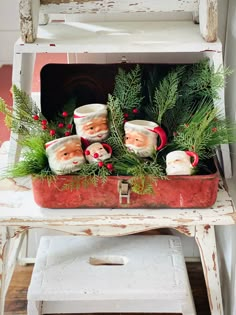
(16,302)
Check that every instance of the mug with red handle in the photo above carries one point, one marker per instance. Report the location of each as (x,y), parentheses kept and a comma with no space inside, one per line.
(141,137)
(179,162)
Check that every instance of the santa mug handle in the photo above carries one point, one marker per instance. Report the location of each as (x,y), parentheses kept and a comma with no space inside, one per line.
(194,156)
(161,133)
(107,147)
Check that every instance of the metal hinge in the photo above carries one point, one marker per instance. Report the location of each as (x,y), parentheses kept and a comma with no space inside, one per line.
(124,191)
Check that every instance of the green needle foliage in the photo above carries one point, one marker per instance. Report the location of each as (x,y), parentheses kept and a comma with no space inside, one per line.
(180,99)
(34,159)
(128,89)
(165,95)
(116,125)
(204,131)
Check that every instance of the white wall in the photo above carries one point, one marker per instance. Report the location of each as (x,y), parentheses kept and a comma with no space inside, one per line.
(226,236)
(9,29)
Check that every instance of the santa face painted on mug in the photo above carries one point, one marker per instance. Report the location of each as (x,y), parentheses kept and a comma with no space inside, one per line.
(141,137)
(65,155)
(91,122)
(178,162)
(96,152)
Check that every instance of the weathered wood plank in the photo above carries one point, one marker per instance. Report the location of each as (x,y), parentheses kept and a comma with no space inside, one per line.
(29,14)
(121,6)
(208,19)
(30,10)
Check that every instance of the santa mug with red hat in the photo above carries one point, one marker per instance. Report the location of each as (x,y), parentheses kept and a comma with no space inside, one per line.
(97,151)
(179,162)
(65,155)
(91,122)
(141,137)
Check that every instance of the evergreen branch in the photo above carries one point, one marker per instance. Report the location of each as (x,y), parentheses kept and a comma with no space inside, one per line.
(165,95)
(128,89)
(116,120)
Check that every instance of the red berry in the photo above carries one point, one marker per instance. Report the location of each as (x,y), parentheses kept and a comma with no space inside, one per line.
(60,125)
(126,115)
(52,132)
(214,129)
(69,126)
(64,114)
(67,133)
(87,152)
(36,117)
(100,164)
(135,110)
(44,127)
(44,122)
(109,166)
(96,155)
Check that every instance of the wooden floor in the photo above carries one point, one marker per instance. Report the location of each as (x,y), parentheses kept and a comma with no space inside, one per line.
(16,302)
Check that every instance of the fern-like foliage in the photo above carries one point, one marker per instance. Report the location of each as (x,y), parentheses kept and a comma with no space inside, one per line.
(204,131)
(165,95)
(128,89)
(116,125)
(34,159)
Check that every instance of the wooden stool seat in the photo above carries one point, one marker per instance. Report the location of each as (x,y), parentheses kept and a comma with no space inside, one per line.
(75,274)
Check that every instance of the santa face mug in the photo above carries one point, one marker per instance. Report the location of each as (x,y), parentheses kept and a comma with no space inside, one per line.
(141,137)
(97,152)
(65,155)
(91,122)
(179,162)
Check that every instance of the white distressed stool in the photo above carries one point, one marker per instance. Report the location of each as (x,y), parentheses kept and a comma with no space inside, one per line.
(75,274)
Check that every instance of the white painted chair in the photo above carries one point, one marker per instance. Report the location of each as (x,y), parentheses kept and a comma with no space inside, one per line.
(101,31)
(134,273)
(34,12)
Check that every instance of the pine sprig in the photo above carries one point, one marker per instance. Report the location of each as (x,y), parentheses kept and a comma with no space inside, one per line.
(128,89)
(34,159)
(205,130)
(116,126)
(165,96)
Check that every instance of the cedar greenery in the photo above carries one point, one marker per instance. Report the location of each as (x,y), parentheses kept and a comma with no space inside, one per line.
(181,102)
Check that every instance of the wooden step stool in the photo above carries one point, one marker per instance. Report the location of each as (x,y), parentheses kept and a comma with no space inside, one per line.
(134,273)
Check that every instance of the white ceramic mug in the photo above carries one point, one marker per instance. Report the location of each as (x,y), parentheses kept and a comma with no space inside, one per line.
(65,155)
(179,162)
(97,152)
(91,122)
(141,137)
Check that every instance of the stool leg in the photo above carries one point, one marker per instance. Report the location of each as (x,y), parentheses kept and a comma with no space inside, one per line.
(34,308)
(205,238)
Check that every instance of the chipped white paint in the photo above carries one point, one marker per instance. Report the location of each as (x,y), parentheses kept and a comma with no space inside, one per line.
(208,19)
(153,277)
(205,238)
(30,10)
(115,222)
(120,6)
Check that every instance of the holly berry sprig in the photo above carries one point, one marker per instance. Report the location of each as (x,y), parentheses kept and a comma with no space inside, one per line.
(60,129)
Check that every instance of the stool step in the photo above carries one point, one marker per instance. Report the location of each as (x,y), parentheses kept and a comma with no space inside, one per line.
(136,273)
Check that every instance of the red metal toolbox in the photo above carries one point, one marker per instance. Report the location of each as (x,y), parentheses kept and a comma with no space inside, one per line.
(197,191)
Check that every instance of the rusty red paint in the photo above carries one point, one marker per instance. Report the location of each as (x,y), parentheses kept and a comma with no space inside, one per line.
(207,227)
(122,226)
(214,261)
(199,191)
(88,232)
(52,45)
(183,229)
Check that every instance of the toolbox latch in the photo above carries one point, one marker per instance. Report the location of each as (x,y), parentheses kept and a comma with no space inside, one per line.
(124,191)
